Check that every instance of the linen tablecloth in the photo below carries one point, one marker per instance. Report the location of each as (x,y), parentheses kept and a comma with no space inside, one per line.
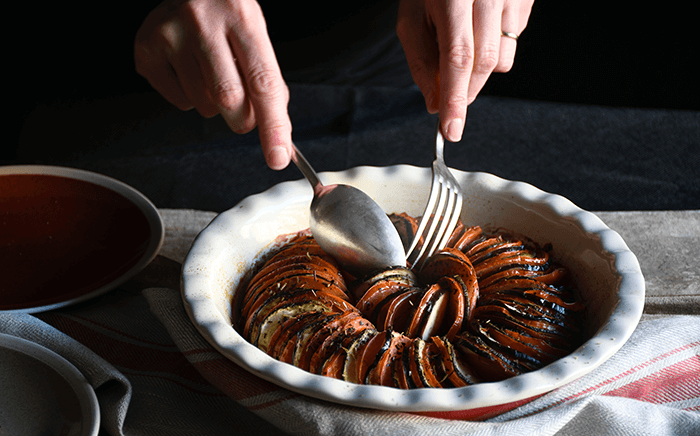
(155,375)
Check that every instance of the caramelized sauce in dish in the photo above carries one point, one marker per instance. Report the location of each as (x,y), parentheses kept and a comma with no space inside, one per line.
(62,238)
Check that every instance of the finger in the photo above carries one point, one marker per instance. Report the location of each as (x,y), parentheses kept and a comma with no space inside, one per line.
(421,51)
(188,71)
(487,23)
(224,85)
(265,86)
(162,78)
(151,62)
(523,9)
(510,23)
(456,42)
(176,62)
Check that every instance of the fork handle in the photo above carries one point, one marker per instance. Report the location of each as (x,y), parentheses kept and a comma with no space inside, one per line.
(439,143)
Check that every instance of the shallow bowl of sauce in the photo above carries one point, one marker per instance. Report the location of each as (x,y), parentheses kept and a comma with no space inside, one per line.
(68,235)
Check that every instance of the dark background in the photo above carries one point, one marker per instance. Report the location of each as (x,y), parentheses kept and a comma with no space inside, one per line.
(616,53)
(601,106)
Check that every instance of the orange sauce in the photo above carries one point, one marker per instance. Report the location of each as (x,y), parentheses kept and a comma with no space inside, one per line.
(61,238)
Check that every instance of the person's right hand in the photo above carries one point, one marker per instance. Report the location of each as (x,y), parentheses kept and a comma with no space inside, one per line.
(453,46)
(216,56)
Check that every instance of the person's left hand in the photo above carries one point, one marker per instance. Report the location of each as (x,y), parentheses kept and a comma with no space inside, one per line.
(453,46)
(216,56)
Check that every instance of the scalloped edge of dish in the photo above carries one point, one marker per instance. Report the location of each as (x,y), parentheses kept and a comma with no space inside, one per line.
(155,223)
(213,325)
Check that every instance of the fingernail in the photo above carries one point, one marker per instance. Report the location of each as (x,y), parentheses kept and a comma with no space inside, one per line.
(454,130)
(278,158)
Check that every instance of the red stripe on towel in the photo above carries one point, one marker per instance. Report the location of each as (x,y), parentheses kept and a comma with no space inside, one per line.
(677,382)
(630,371)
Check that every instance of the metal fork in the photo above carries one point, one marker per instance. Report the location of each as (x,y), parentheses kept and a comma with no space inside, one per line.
(442,211)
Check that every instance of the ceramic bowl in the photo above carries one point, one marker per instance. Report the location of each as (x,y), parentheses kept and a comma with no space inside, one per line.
(71,235)
(607,273)
(43,393)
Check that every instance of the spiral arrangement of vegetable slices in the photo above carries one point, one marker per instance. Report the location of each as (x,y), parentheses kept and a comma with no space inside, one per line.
(487,307)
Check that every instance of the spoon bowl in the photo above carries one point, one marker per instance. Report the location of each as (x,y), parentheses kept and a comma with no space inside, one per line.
(350,226)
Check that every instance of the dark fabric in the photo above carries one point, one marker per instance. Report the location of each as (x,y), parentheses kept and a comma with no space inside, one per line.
(601,158)
(351,43)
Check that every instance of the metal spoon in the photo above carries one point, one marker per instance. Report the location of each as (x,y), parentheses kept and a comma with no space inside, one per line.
(350,226)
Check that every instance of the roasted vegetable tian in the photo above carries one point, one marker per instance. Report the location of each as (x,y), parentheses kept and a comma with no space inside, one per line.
(488,307)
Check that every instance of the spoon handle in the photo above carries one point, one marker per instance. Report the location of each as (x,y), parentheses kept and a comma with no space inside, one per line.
(303,165)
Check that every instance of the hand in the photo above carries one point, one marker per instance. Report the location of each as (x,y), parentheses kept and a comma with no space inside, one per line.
(453,46)
(215,56)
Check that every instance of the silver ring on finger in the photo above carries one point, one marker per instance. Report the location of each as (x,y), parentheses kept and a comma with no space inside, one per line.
(509,35)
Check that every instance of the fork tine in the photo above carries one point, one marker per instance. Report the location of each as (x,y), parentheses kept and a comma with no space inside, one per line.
(446,215)
(445,203)
(429,208)
(443,209)
(432,216)
(454,215)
